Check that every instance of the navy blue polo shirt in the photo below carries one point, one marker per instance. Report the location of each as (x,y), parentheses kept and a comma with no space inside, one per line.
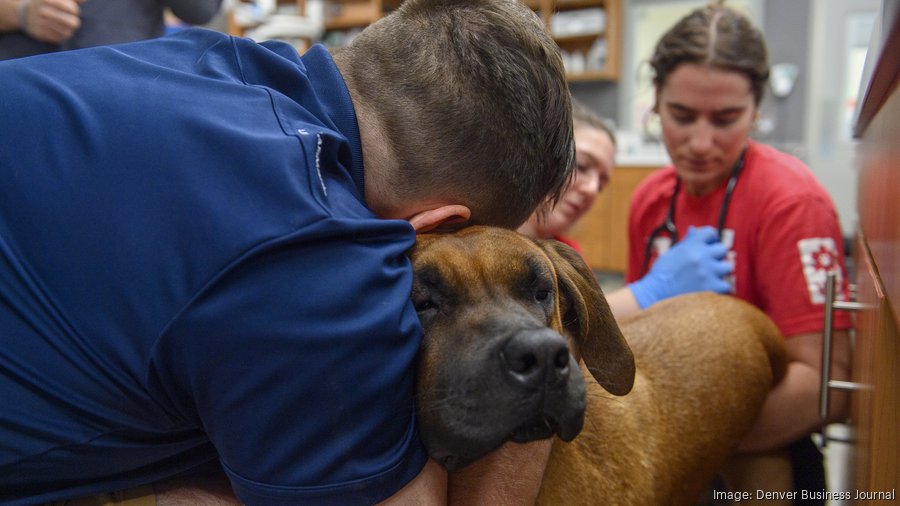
(189,275)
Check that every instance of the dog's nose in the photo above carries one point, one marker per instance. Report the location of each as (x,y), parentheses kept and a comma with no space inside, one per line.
(535,358)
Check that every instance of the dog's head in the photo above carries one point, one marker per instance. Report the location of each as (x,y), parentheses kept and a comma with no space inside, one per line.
(494,365)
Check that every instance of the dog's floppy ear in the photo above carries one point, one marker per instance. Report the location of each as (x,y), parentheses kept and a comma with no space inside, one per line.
(587,317)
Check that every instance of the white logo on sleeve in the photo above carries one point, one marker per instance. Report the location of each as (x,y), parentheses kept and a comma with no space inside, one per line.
(818,256)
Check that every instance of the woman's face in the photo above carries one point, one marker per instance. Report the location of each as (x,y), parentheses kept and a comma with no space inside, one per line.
(706,116)
(594,158)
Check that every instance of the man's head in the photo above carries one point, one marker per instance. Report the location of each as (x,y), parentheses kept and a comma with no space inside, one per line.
(460,102)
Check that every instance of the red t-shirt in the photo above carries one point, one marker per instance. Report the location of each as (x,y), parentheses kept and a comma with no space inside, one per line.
(782,232)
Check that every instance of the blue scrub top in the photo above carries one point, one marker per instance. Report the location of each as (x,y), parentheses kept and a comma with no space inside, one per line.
(189,275)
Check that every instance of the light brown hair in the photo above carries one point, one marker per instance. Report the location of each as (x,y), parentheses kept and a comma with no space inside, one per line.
(582,116)
(473,102)
(717,36)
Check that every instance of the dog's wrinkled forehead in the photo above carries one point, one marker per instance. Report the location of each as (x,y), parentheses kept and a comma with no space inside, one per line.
(497,261)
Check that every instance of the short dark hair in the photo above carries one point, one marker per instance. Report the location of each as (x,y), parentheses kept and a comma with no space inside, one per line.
(473,100)
(717,36)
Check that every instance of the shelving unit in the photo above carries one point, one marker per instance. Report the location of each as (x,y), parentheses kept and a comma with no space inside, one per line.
(350,15)
(346,14)
(345,18)
(584,41)
(236,29)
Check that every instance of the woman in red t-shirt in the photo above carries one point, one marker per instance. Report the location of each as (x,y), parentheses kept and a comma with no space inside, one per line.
(779,224)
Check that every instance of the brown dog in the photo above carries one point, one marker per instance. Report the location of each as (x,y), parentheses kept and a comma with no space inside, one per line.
(493,366)
(493,304)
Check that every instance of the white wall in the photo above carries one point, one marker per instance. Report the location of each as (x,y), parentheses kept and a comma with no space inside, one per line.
(834,69)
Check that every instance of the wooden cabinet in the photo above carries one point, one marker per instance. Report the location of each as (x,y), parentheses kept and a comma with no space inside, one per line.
(603,231)
(347,14)
(594,41)
(589,39)
(235,27)
(876,412)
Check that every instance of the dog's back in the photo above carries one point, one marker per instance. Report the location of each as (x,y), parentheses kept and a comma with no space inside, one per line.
(705,364)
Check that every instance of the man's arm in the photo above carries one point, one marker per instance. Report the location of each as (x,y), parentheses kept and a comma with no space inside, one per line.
(9,15)
(510,476)
(52,21)
(791,410)
(622,302)
(429,488)
(212,489)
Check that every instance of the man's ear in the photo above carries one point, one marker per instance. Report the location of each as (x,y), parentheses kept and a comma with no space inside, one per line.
(441,219)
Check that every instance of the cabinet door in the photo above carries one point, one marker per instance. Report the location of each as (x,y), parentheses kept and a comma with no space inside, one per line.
(875,412)
(603,231)
(588,34)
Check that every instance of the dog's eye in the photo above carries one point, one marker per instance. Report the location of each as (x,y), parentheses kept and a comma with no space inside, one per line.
(542,295)
(424,305)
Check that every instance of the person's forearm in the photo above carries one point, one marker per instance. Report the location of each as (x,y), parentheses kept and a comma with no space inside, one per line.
(9,15)
(510,476)
(622,302)
(429,488)
(791,410)
(211,489)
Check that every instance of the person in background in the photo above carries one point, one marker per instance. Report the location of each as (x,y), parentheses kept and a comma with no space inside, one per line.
(696,264)
(779,224)
(203,252)
(30,27)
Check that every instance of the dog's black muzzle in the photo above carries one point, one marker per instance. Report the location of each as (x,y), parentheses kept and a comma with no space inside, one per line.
(524,387)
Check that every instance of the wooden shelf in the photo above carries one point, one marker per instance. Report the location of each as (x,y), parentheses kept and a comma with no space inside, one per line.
(582,43)
(347,14)
(347,21)
(577,4)
(342,15)
(238,30)
(591,75)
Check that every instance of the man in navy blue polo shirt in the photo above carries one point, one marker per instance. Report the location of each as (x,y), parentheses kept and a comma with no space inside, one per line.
(202,246)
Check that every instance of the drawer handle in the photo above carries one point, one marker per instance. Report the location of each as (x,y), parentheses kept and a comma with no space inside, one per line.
(826,384)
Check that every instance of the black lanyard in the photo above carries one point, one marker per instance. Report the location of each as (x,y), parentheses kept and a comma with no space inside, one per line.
(668,225)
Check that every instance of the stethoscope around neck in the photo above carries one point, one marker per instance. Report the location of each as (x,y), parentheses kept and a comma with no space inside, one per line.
(668,225)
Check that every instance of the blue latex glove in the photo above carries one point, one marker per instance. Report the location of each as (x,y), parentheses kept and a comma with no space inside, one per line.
(695,264)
